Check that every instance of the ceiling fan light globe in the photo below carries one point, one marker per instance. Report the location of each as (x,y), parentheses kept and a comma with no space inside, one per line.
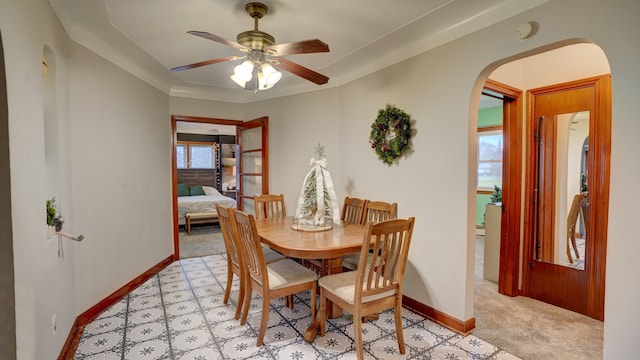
(271,75)
(274,78)
(238,81)
(244,71)
(262,81)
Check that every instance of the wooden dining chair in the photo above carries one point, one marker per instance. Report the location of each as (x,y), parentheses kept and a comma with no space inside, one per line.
(372,288)
(269,206)
(353,210)
(572,222)
(235,262)
(374,211)
(277,279)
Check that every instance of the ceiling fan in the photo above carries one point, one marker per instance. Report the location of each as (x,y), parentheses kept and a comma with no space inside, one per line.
(262,55)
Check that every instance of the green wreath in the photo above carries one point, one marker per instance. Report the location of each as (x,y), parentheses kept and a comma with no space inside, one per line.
(390,133)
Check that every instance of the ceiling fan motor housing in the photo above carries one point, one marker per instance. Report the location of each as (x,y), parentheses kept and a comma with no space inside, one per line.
(255,39)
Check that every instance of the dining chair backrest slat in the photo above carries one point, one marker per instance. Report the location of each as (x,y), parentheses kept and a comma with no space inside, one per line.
(376,211)
(384,271)
(353,210)
(226,228)
(269,206)
(250,245)
(235,258)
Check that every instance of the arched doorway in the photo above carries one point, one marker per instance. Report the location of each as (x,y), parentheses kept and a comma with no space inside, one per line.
(560,65)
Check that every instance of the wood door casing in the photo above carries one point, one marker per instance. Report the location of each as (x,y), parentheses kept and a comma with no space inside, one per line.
(174,167)
(578,290)
(509,273)
(243,173)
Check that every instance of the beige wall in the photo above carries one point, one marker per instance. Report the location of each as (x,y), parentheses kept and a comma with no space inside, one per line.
(105,112)
(217,109)
(43,280)
(296,125)
(121,176)
(114,177)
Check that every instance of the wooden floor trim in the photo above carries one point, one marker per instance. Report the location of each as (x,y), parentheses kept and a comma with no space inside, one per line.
(459,326)
(70,346)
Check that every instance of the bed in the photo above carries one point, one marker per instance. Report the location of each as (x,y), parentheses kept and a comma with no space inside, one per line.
(199,181)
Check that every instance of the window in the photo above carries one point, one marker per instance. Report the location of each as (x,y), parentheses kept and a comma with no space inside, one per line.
(490,145)
(195,155)
(181,156)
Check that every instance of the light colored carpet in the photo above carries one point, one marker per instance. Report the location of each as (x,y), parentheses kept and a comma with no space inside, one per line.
(531,329)
(203,241)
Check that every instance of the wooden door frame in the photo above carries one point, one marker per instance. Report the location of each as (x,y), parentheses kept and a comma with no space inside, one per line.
(512,125)
(600,155)
(262,122)
(174,166)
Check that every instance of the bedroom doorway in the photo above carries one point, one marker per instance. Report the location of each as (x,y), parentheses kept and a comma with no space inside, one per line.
(203,173)
(249,149)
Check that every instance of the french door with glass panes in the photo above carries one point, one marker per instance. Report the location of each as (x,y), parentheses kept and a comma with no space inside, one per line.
(252,139)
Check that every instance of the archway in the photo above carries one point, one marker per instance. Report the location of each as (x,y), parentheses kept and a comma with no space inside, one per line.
(552,64)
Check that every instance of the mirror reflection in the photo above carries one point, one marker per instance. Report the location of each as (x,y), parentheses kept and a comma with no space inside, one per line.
(561,214)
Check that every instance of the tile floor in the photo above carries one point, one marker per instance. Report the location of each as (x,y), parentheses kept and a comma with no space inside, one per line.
(179,314)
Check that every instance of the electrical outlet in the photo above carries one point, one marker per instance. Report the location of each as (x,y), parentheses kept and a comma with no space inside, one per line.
(54,325)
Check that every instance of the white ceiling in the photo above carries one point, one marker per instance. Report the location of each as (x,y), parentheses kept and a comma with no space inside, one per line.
(489,102)
(149,37)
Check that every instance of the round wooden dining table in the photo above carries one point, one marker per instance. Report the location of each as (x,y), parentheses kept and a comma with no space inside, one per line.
(321,249)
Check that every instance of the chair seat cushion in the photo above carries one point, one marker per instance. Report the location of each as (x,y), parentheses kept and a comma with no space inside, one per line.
(287,273)
(352,261)
(271,255)
(343,285)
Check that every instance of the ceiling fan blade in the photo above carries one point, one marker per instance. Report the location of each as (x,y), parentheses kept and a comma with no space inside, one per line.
(207,62)
(298,47)
(218,39)
(301,71)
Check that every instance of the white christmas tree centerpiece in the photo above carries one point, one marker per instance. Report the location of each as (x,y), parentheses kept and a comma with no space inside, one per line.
(317,208)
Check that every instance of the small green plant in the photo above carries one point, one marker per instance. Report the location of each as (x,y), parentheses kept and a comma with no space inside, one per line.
(51,211)
(52,215)
(497,195)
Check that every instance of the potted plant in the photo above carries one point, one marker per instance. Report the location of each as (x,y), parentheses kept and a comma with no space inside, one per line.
(53,220)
